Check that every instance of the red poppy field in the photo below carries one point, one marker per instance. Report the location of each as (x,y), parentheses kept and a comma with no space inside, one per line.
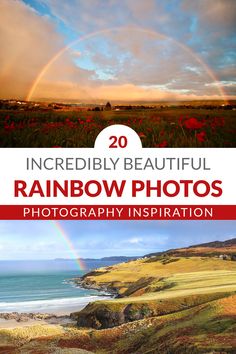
(179,127)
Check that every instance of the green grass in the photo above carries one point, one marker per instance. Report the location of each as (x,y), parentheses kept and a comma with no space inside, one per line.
(186,306)
(205,328)
(126,276)
(157,128)
(22,334)
(189,284)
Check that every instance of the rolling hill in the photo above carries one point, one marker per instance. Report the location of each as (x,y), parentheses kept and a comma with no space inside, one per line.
(176,302)
(214,248)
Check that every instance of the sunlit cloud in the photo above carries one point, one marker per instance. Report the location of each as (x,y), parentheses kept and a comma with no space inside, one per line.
(157,51)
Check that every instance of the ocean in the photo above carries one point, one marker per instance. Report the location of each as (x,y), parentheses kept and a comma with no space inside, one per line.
(44,286)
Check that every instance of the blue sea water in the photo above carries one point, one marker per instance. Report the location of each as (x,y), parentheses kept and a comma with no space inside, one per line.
(44,286)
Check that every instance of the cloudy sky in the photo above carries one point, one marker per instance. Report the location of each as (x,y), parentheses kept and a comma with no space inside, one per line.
(29,240)
(117,50)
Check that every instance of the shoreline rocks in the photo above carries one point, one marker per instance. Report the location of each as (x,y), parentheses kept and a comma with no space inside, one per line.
(92,285)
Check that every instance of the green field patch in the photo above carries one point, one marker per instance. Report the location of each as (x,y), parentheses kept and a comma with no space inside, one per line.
(166,127)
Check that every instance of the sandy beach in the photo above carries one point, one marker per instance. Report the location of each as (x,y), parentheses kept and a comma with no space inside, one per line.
(60,317)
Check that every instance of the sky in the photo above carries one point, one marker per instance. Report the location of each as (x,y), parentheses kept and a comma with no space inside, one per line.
(117,50)
(35,240)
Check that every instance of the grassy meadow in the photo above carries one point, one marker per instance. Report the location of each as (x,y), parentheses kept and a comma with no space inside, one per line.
(206,328)
(177,305)
(167,127)
(178,271)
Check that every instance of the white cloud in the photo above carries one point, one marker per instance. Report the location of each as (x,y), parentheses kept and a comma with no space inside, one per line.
(135,240)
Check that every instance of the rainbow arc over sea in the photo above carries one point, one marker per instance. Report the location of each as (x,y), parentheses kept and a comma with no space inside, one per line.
(64,235)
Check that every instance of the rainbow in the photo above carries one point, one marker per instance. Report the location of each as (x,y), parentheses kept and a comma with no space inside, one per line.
(60,230)
(152,33)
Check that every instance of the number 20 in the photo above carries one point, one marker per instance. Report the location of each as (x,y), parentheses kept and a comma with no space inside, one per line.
(118,142)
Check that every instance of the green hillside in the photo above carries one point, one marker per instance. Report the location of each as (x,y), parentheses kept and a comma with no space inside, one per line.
(164,304)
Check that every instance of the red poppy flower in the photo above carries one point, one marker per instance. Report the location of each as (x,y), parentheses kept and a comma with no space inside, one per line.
(9,127)
(181,120)
(163,144)
(193,123)
(162,132)
(201,137)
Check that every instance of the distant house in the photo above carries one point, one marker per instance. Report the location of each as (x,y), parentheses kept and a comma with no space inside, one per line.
(223,256)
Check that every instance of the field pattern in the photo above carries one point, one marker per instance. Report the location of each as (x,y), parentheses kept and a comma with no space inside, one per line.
(177,127)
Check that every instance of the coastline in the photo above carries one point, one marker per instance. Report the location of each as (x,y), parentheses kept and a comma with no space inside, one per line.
(23,319)
(107,289)
(60,315)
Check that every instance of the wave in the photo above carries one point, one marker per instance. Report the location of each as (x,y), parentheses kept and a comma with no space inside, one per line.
(48,305)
